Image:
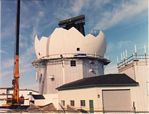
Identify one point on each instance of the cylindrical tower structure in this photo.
(66, 56)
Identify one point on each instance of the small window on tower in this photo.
(78, 49)
(73, 63)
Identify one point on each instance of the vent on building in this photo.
(51, 77)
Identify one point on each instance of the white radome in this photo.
(63, 41)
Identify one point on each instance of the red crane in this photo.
(15, 81)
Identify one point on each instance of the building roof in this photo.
(29, 90)
(109, 80)
(38, 97)
(6, 88)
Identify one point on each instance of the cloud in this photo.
(25, 66)
(25, 62)
(121, 12)
(78, 5)
(8, 64)
(118, 11)
(119, 45)
(6, 74)
(75, 7)
(123, 45)
(6, 30)
(26, 43)
(3, 51)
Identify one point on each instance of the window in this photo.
(63, 102)
(72, 63)
(78, 49)
(72, 103)
(82, 102)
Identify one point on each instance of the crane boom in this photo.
(15, 82)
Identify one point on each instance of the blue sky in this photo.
(124, 22)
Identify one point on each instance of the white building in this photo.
(137, 67)
(6, 96)
(112, 92)
(70, 72)
(133, 96)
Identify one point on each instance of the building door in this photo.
(116, 100)
(91, 105)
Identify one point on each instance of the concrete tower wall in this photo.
(58, 72)
(66, 56)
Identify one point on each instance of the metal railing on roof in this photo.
(133, 57)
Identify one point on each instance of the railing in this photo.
(68, 55)
(133, 57)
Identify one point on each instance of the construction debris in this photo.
(48, 108)
(72, 109)
(33, 108)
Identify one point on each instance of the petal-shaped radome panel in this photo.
(41, 46)
(70, 41)
(65, 41)
(37, 46)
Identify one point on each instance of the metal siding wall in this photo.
(116, 100)
(81, 94)
(42, 70)
(129, 70)
(56, 71)
(73, 73)
(97, 67)
(139, 70)
(62, 74)
(142, 98)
